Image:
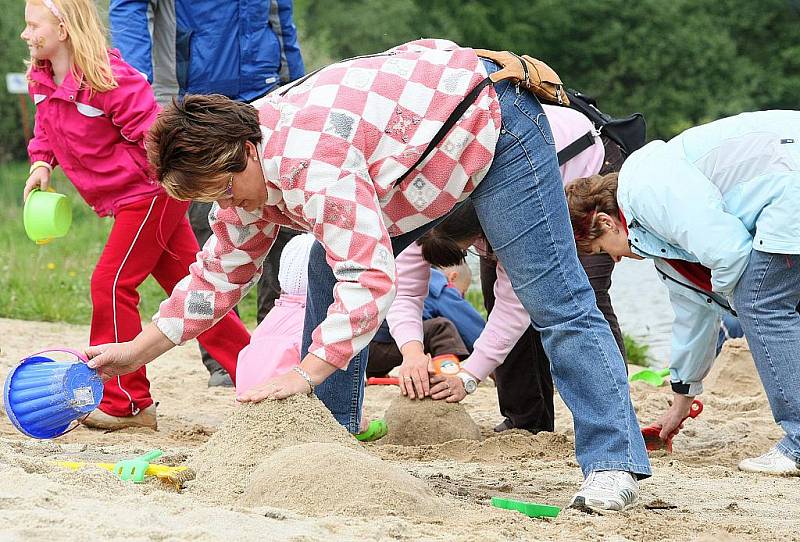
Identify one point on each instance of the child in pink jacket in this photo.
(92, 113)
(275, 345)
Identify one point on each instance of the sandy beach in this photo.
(256, 469)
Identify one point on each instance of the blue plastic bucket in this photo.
(44, 394)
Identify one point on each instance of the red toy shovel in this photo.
(650, 433)
(383, 381)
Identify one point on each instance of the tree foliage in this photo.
(13, 53)
(680, 62)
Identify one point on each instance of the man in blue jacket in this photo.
(240, 48)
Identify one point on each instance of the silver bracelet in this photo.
(299, 370)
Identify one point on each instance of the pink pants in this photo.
(134, 250)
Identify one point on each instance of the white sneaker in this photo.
(606, 490)
(773, 462)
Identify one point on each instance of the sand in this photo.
(255, 431)
(348, 481)
(696, 493)
(415, 422)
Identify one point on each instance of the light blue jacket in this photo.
(711, 195)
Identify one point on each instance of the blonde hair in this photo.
(87, 40)
(585, 198)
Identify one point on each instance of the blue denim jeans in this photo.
(523, 212)
(766, 299)
(729, 329)
(343, 391)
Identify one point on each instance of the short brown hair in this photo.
(198, 138)
(586, 197)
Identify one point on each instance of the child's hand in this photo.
(113, 359)
(40, 178)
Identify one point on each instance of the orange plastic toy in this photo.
(446, 364)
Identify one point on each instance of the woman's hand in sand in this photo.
(113, 359)
(447, 387)
(671, 422)
(279, 387)
(413, 380)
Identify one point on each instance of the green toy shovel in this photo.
(530, 509)
(651, 376)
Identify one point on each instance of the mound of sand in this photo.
(323, 478)
(255, 431)
(734, 373)
(413, 422)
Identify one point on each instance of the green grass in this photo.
(475, 298)
(51, 282)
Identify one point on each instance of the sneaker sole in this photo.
(779, 474)
(579, 503)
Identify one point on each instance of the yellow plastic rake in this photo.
(173, 476)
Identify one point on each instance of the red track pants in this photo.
(134, 250)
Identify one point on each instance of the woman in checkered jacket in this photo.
(338, 155)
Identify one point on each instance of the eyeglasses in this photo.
(229, 187)
(480, 253)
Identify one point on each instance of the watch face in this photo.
(470, 385)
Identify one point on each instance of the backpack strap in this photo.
(575, 148)
(451, 121)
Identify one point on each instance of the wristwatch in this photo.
(470, 384)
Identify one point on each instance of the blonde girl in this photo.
(92, 113)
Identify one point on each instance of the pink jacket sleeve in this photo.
(226, 268)
(405, 314)
(39, 147)
(425, 43)
(132, 105)
(506, 324)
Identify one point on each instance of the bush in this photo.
(636, 352)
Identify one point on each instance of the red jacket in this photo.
(96, 137)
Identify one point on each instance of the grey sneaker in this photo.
(606, 490)
(221, 379)
(773, 462)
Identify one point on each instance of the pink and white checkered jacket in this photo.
(334, 148)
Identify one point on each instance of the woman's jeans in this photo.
(522, 209)
(524, 383)
(766, 300)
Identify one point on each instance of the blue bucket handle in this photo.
(80, 355)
